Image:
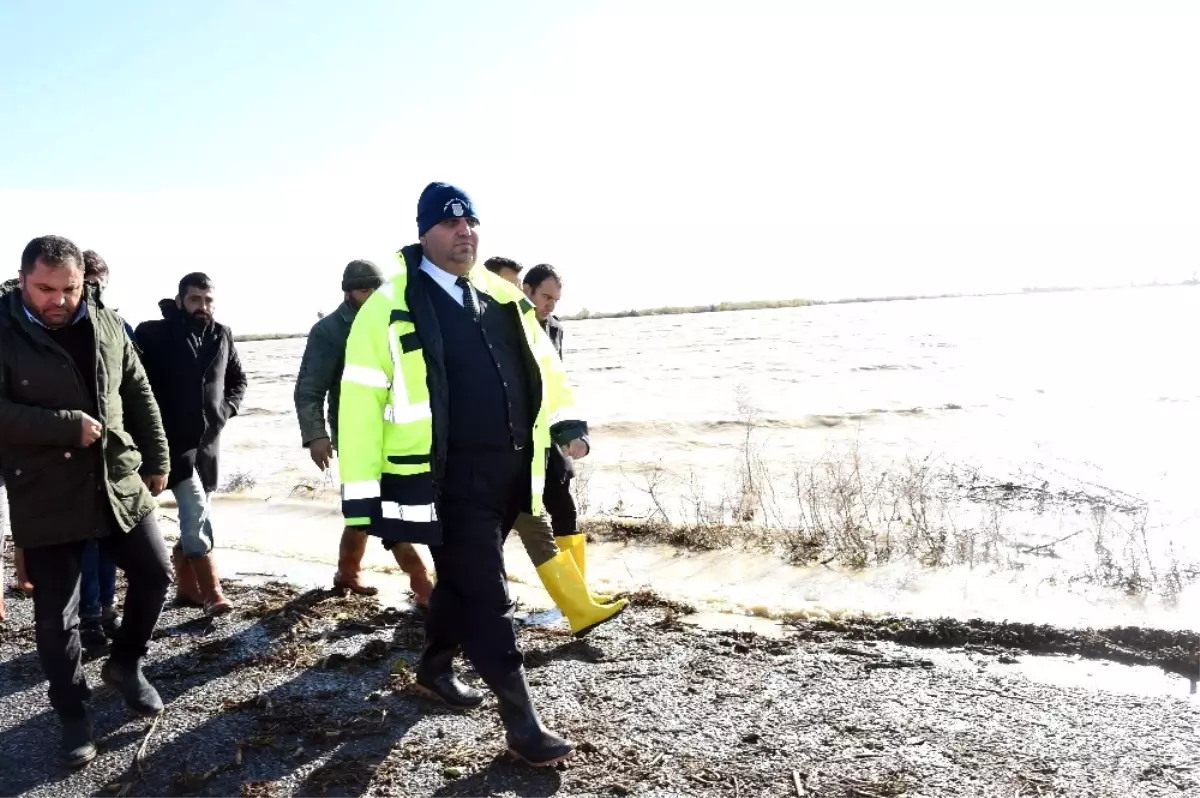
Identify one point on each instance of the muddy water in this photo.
(304, 533)
(1088, 392)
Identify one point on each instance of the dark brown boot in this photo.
(350, 554)
(23, 584)
(210, 585)
(414, 568)
(349, 563)
(187, 591)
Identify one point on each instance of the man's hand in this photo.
(90, 430)
(576, 449)
(321, 452)
(157, 483)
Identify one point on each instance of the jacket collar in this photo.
(172, 313)
(21, 316)
(79, 315)
(495, 287)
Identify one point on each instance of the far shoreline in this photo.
(777, 304)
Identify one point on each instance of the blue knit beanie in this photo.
(441, 201)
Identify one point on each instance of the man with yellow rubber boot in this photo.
(556, 543)
(451, 398)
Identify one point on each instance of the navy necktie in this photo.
(468, 297)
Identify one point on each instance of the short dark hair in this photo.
(540, 274)
(497, 265)
(93, 264)
(195, 280)
(53, 250)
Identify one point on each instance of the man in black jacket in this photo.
(77, 424)
(198, 381)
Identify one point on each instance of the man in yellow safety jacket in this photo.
(451, 397)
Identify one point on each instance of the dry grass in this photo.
(239, 482)
(843, 509)
(314, 487)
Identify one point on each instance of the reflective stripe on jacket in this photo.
(392, 417)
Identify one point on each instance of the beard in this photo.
(199, 321)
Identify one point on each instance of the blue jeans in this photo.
(195, 527)
(98, 584)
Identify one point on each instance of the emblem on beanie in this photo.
(455, 207)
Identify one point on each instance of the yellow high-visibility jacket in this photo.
(393, 417)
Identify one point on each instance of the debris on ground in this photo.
(304, 692)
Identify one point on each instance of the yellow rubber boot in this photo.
(565, 585)
(577, 545)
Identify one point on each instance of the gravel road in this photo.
(306, 693)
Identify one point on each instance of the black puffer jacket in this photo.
(199, 384)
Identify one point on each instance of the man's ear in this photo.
(179, 302)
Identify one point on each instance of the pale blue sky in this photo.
(656, 152)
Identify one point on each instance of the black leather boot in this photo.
(110, 622)
(91, 634)
(437, 680)
(140, 696)
(528, 740)
(77, 747)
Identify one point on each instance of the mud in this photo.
(1173, 651)
(307, 693)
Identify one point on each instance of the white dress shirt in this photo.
(447, 281)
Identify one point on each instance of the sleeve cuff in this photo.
(359, 512)
(566, 431)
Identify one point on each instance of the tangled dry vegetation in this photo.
(845, 510)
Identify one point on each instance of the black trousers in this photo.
(560, 504)
(55, 571)
(481, 495)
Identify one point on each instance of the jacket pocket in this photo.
(40, 487)
(121, 453)
(129, 490)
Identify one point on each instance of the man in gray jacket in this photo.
(320, 376)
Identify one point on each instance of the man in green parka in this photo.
(83, 454)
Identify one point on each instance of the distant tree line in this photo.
(770, 304)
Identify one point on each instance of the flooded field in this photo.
(1019, 457)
